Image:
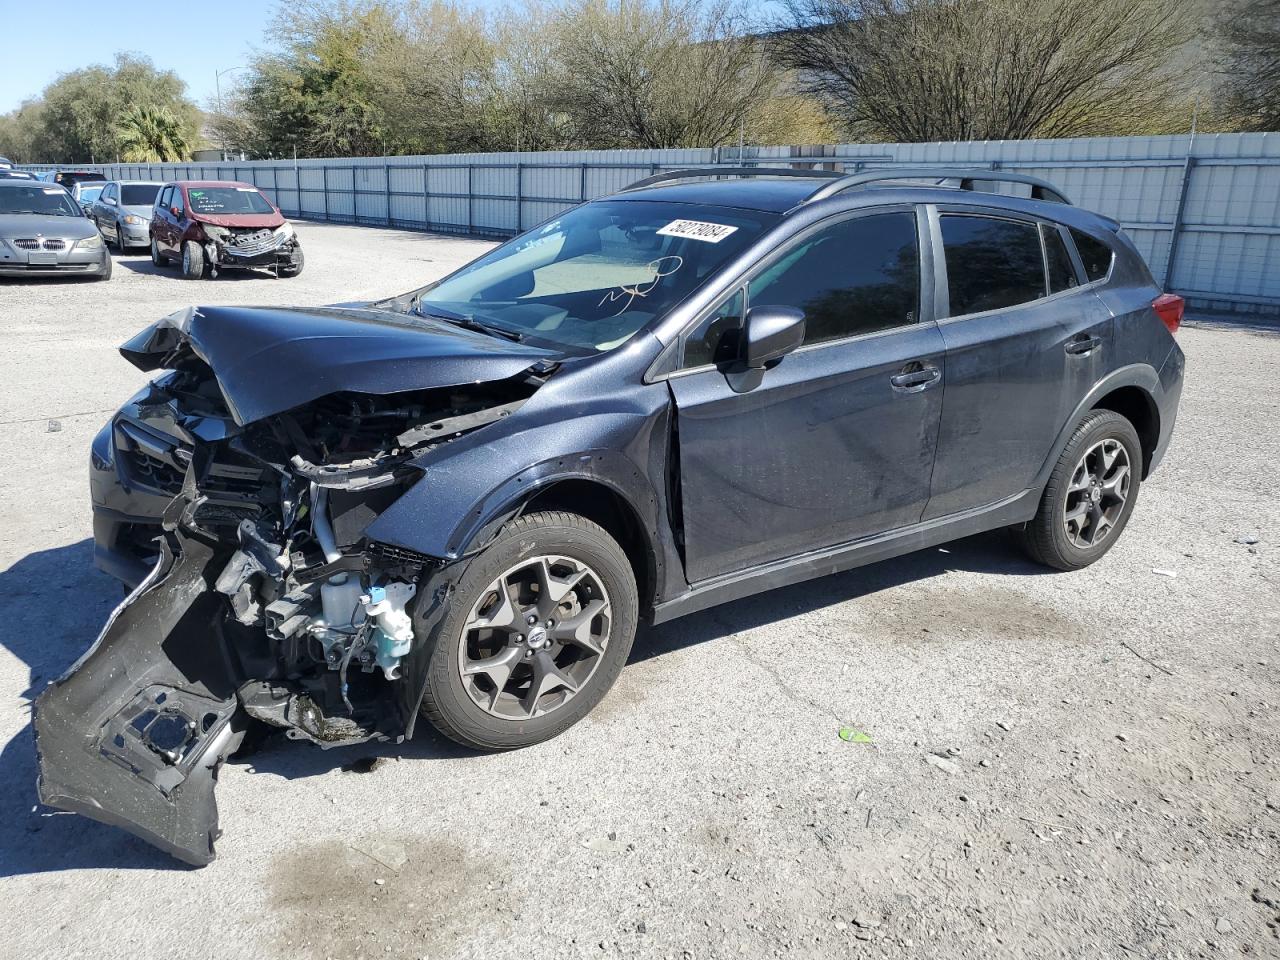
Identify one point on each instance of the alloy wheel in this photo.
(535, 637)
(1097, 493)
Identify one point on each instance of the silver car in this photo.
(123, 212)
(43, 231)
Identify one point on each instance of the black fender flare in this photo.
(1141, 375)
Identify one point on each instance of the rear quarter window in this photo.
(1096, 255)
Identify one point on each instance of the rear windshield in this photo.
(227, 201)
(49, 201)
(139, 194)
(70, 179)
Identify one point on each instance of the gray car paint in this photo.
(71, 259)
(731, 483)
(110, 217)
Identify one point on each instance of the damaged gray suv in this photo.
(459, 503)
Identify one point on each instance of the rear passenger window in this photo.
(1062, 273)
(854, 277)
(991, 263)
(1095, 254)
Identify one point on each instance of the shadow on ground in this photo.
(74, 601)
(173, 270)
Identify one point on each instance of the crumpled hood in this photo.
(254, 220)
(271, 359)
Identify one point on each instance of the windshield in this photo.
(49, 201)
(599, 273)
(227, 201)
(138, 194)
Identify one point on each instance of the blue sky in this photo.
(41, 42)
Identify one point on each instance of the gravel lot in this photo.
(1061, 765)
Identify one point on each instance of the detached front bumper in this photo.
(134, 732)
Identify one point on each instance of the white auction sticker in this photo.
(697, 230)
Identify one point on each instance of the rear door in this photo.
(1025, 341)
(835, 441)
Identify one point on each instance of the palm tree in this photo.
(151, 135)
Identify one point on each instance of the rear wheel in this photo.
(539, 628)
(157, 258)
(1090, 494)
(192, 261)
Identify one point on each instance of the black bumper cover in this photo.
(128, 735)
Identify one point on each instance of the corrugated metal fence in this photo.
(1204, 211)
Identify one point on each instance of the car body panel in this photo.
(834, 451)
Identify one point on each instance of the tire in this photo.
(105, 272)
(1091, 457)
(192, 261)
(158, 259)
(453, 704)
(296, 267)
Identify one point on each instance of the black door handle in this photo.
(914, 377)
(1082, 345)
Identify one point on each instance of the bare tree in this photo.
(658, 73)
(1250, 32)
(921, 70)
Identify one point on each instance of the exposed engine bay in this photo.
(268, 603)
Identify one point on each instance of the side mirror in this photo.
(770, 333)
(111, 200)
(176, 211)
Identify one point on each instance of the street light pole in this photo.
(217, 86)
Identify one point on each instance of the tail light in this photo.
(1169, 307)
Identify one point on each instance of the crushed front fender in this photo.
(134, 732)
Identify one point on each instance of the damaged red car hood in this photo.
(255, 221)
(268, 360)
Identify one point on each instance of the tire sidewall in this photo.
(1112, 426)
(191, 252)
(588, 544)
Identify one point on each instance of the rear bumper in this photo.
(1167, 399)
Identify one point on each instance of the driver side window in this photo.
(850, 278)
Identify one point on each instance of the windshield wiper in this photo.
(468, 322)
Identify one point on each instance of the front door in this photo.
(835, 441)
(1024, 345)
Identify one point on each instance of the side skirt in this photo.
(781, 573)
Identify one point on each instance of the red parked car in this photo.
(213, 225)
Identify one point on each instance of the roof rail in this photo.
(1040, 189)
(690, 173)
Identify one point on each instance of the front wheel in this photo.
(295, 266)
(1090, 494)
(539, 627)
(192, 260)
